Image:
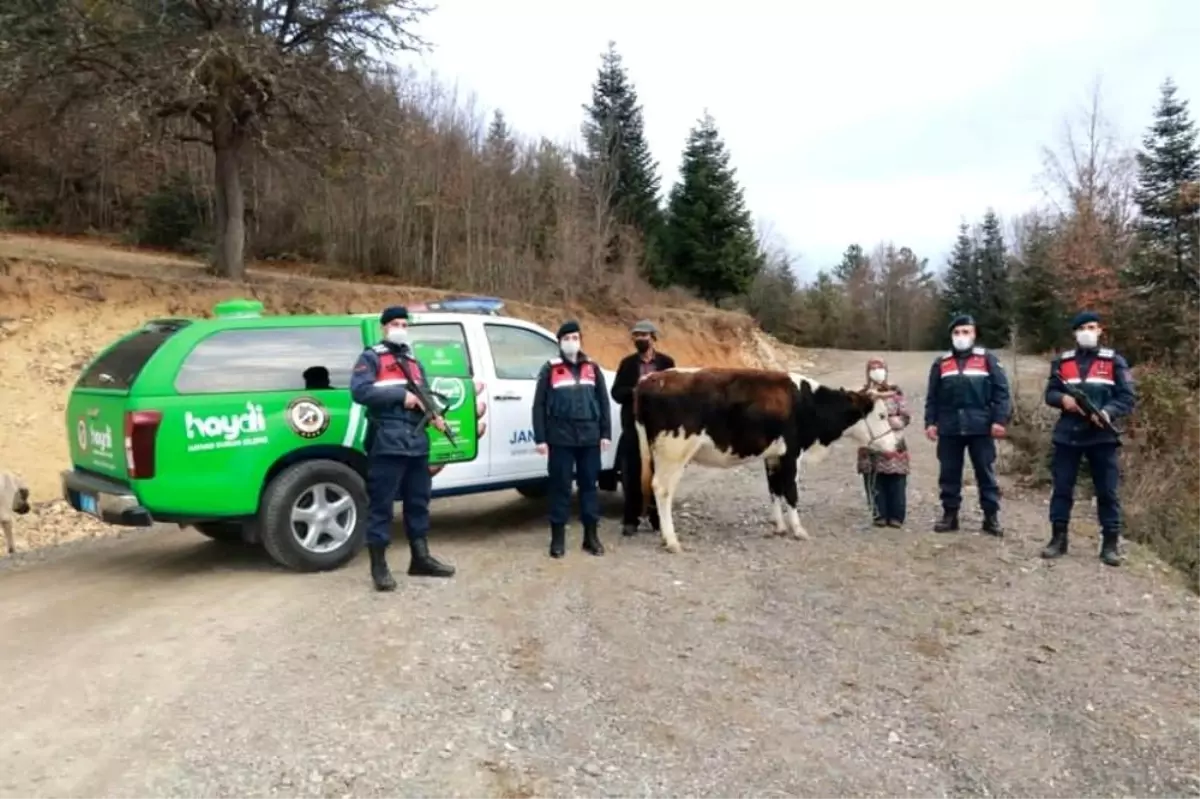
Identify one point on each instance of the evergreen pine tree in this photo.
(1037, 312)
(994, 292)
(1169, 198)
(499, 148)
(617, 164)
(962, 286)
(710, 241)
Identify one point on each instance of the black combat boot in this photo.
(381, 575)
(591, 540)
(558, 540)
(1058, 541)
(629, 528)
(991, 525)
(1108, 548)
(425, 565)
(948, 523)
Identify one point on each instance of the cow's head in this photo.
(868, 417)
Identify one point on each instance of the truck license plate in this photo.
(87, 503)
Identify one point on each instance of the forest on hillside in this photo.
(264, 129)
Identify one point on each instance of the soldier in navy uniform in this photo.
(397, 449)
(1103, 376)
(571, 425)
(967, 406)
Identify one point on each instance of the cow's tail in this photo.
(646, 473)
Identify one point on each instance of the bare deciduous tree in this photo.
(230, 74)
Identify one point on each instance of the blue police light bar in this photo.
(491, 306)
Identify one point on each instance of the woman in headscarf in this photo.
(885, 474)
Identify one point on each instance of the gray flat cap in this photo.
(644, 326)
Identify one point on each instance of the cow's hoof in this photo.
(674, 549)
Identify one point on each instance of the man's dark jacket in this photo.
(628, 374)
(967, 393)
(1109, 386)
(570, 404)
(393, 430)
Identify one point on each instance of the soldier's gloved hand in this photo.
(412, 402)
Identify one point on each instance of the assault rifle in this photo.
(1086, 405)
(433, 402)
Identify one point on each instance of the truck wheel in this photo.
(537, 490)
(225, 532)
(314, 515)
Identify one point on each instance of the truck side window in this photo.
(271, 359)
(519, 354)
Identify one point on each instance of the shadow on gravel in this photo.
(481, 519)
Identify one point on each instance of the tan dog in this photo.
(14, 498)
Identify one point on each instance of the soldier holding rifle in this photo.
(390, 383)
(1093, 388)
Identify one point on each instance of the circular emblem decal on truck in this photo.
(307, 417)
(452, 389)
(81, 434)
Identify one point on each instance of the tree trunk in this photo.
(231, 209)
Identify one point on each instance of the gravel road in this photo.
(861, 663)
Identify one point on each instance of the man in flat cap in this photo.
(967, 406)
(571, 425)
(645, 360)
(397, 447)
(1102, 376)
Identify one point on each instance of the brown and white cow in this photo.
(727, 417)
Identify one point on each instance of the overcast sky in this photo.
(879, 121)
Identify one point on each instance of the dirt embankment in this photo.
(62, 300)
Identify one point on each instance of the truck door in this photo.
(517, 355)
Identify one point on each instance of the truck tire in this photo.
(304, 487)
(225, 532)
(537, 490)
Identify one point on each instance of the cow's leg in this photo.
(788, 487)
(776, 493)
(671, 456)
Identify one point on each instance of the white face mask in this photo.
(962, 342)
(877, 375)
(396, 335)
(1087, 339)
(570, 348)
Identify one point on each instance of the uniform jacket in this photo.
(570, 404)
(889, 462)
(967, 394)
(377, 383)
(1104, 377)
(628, 374)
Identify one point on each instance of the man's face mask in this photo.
(877, 375)
(396, 334)
(1087, 338)
(641, 344)
(570, 347)
(963, 341)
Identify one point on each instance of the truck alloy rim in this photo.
(323, 517)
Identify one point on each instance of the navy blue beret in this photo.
(570, 326)
(1083, 317)
(962, 319)
(395, 312)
